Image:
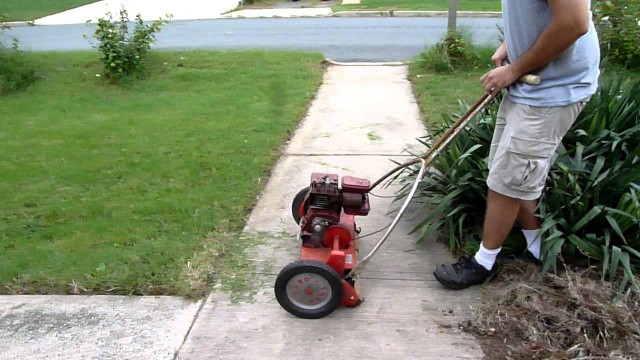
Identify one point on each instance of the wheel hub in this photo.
(309, 291)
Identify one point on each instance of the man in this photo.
(555, 40)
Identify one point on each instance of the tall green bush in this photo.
(123, 52)
(592, 211)
(591, 206)
(618, 24)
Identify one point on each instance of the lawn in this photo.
(438, 94)
(21, 10)
(141, 189)
(463, 5)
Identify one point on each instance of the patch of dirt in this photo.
(572, 315)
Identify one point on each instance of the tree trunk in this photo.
(453, 14)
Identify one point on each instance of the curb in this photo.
(409, 13)
(389, 63)
(17, 23)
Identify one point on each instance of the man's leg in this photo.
(519, 161)
(501, 214)
(530, 227)
(526, 215)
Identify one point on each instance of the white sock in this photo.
(534, 243)
(486, 257)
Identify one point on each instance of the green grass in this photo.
(141, 189)
(259, 4)
(33, 9)
(433, 5)
(438, 94)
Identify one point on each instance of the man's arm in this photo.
(570, 20)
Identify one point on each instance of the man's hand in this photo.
(498, 78)
(500, 56)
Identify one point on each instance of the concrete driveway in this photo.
(149, 9)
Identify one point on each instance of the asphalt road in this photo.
(341, 39)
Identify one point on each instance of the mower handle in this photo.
(452, 132)
(443, 141)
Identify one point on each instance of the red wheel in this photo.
(300, 205)
(309, 289)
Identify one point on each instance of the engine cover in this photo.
(326, 203)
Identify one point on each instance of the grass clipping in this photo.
(566, 316)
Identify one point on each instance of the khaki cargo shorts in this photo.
(523, 145)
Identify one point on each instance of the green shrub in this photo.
(124, 53)
(453, 52)
(16, 71)
(618, 27)
(591, 209)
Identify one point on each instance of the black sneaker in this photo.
(528, 257)
(464, 273)
(525, 256)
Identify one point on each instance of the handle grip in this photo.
(527, 78)
(530, 79)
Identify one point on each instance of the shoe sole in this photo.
(454, 286)
(450, 285)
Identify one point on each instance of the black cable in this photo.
(382, 196)
(373, 233)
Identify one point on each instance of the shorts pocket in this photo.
(542, 111)
(527, 163)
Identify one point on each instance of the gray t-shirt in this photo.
(571, 77)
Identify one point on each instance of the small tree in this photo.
(124, 53)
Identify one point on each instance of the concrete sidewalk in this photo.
(362, 118)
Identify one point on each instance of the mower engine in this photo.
(325, 206)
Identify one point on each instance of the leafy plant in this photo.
(618, 24)
(592, 213)
(591, 206)
(16, 72)
(124, 53)
(453, 192)
(453, 52)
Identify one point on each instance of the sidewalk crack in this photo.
(186, 336)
